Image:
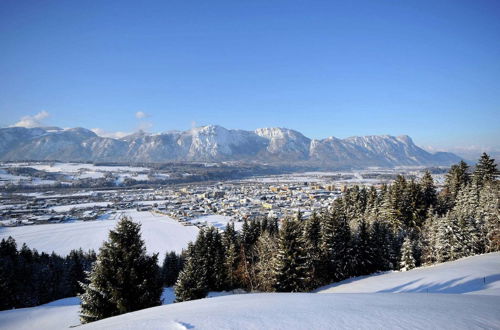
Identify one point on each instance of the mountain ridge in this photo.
(216, 143)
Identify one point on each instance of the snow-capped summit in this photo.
(215, 143)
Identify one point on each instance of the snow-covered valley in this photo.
(160, 233)
(462, 294)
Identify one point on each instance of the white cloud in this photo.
(32, 121)
(114, 135)
(141, 115)
(145, 126)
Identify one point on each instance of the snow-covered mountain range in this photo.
(215, 143)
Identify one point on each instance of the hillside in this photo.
(366, 302)
(472, 275)
(216, 144)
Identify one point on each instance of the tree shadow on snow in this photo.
(456, 285)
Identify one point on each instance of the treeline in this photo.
(398, 227)
(29, 278)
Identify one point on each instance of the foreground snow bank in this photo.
(59, 314)
(363, 302)
(316, 311)
(472, 275)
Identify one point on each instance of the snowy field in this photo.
(360, 177)
(71, 168)
(69, 207)
(368, 302)
(161, 234)
(6, 178)
(218, 221)
(73, 171)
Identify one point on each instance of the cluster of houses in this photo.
(242, 201)
(185, 203)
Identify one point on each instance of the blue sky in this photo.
(429, 69)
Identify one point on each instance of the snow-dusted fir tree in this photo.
(342, 248)
(446, 239)
(214, 257)
(363, 262)
(407, 260)
(430, 239)
(265, 248)
(192, 281)
(292, 269)
(172, 265)
(124, 278)
(485, 171)
(428, 191)
(204, 268)
(381, 238)
(489, 213)
(231, 243)
(312, 240)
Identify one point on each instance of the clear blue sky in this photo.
(429, 69)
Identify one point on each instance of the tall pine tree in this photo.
(292, 270)
(124, 278)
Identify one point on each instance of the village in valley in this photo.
(198, 203)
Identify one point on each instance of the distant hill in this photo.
(215, 144)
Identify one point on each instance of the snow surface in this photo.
(217, 221)
(315, 311)
(472, 275)
(160, 233)
(59, 314)
(76, 167)
(69, 207)
(371, 303)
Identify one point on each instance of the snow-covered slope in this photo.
(369, 302)
(314, 311)
(160, 233)
(472, 275)
(215, 143)
(59, 314)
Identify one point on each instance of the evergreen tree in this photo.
(292, 270)
(78, 262)
(192, 281)
(456, 178)
(266, 247)
(486, 169)
(312, 239)
(445, 239)
(363, 252)
(407, 260)
(337, 247)
(430, 239)
(8, 280)
(428, 189)
(272, 226)
(124, 278)
(489, 213)
(205, 267)
(381, 238)
(214, 258)
(231, 247)
(171, 268)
